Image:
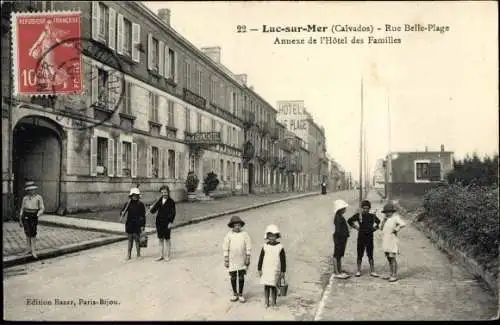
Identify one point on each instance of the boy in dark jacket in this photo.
(366, 223)
(165, 207)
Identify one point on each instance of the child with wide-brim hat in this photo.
(237, 247)
(32, 208)
(391, 225)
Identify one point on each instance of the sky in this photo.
(439, 88)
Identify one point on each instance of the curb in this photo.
(49, 253)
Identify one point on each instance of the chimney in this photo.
(242, 78)
(164, 15)
(442, 148)
(213, 52)
(426, 149)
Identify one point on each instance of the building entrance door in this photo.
(37, 157)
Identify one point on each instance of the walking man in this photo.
(366, 223)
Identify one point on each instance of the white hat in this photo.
(30, 186)
(134, 190)
(339, 204)
(273, 229)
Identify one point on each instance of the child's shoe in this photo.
(393, 279)
(358, 274)
(241, 299)
(234, 298)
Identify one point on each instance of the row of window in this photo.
(160, 162)
(124, 36)
(119, 159)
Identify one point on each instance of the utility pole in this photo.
(389, 156)
(361, 148)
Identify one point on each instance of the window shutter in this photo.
(93, 156)
(435, 172)
(161, 59)
(160, 162)
(95, 85)
(136, 40)
(112, 29)
(95, 19)
(119, 37)
(175, 72)
(150, 51)
(177, 165)
(119, 158)
(166, 66)
(111, 157)
(149, 171)
(133, 172)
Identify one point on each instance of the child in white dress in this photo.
(390, 226)
(272, 264)
(237, 248)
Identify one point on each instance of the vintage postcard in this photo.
(250, 160)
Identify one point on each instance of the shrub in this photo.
(192, 182)
(474, 170)
(210, 183)
(469, 217)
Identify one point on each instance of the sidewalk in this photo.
(59, 235)
(427, 278)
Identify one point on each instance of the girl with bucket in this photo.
(272, 264)
(135, 213)
(31, 208)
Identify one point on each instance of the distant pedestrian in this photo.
(237, 248)
(340, 236)
(391, 225)
(31, 208)
(272, 264)
(165, 207)
(135, 213)
(366, 223)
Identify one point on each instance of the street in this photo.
(194, 285)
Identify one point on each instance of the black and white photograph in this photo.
(250, 160)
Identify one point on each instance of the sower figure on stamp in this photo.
(135, 213)
(366, 223)
(165, 207)
(31, 208)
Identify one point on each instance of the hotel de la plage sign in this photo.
(207, 138)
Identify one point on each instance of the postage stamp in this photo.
(36, 70)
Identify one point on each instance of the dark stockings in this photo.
(241, 282)
(270, 291)
(131, 239)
